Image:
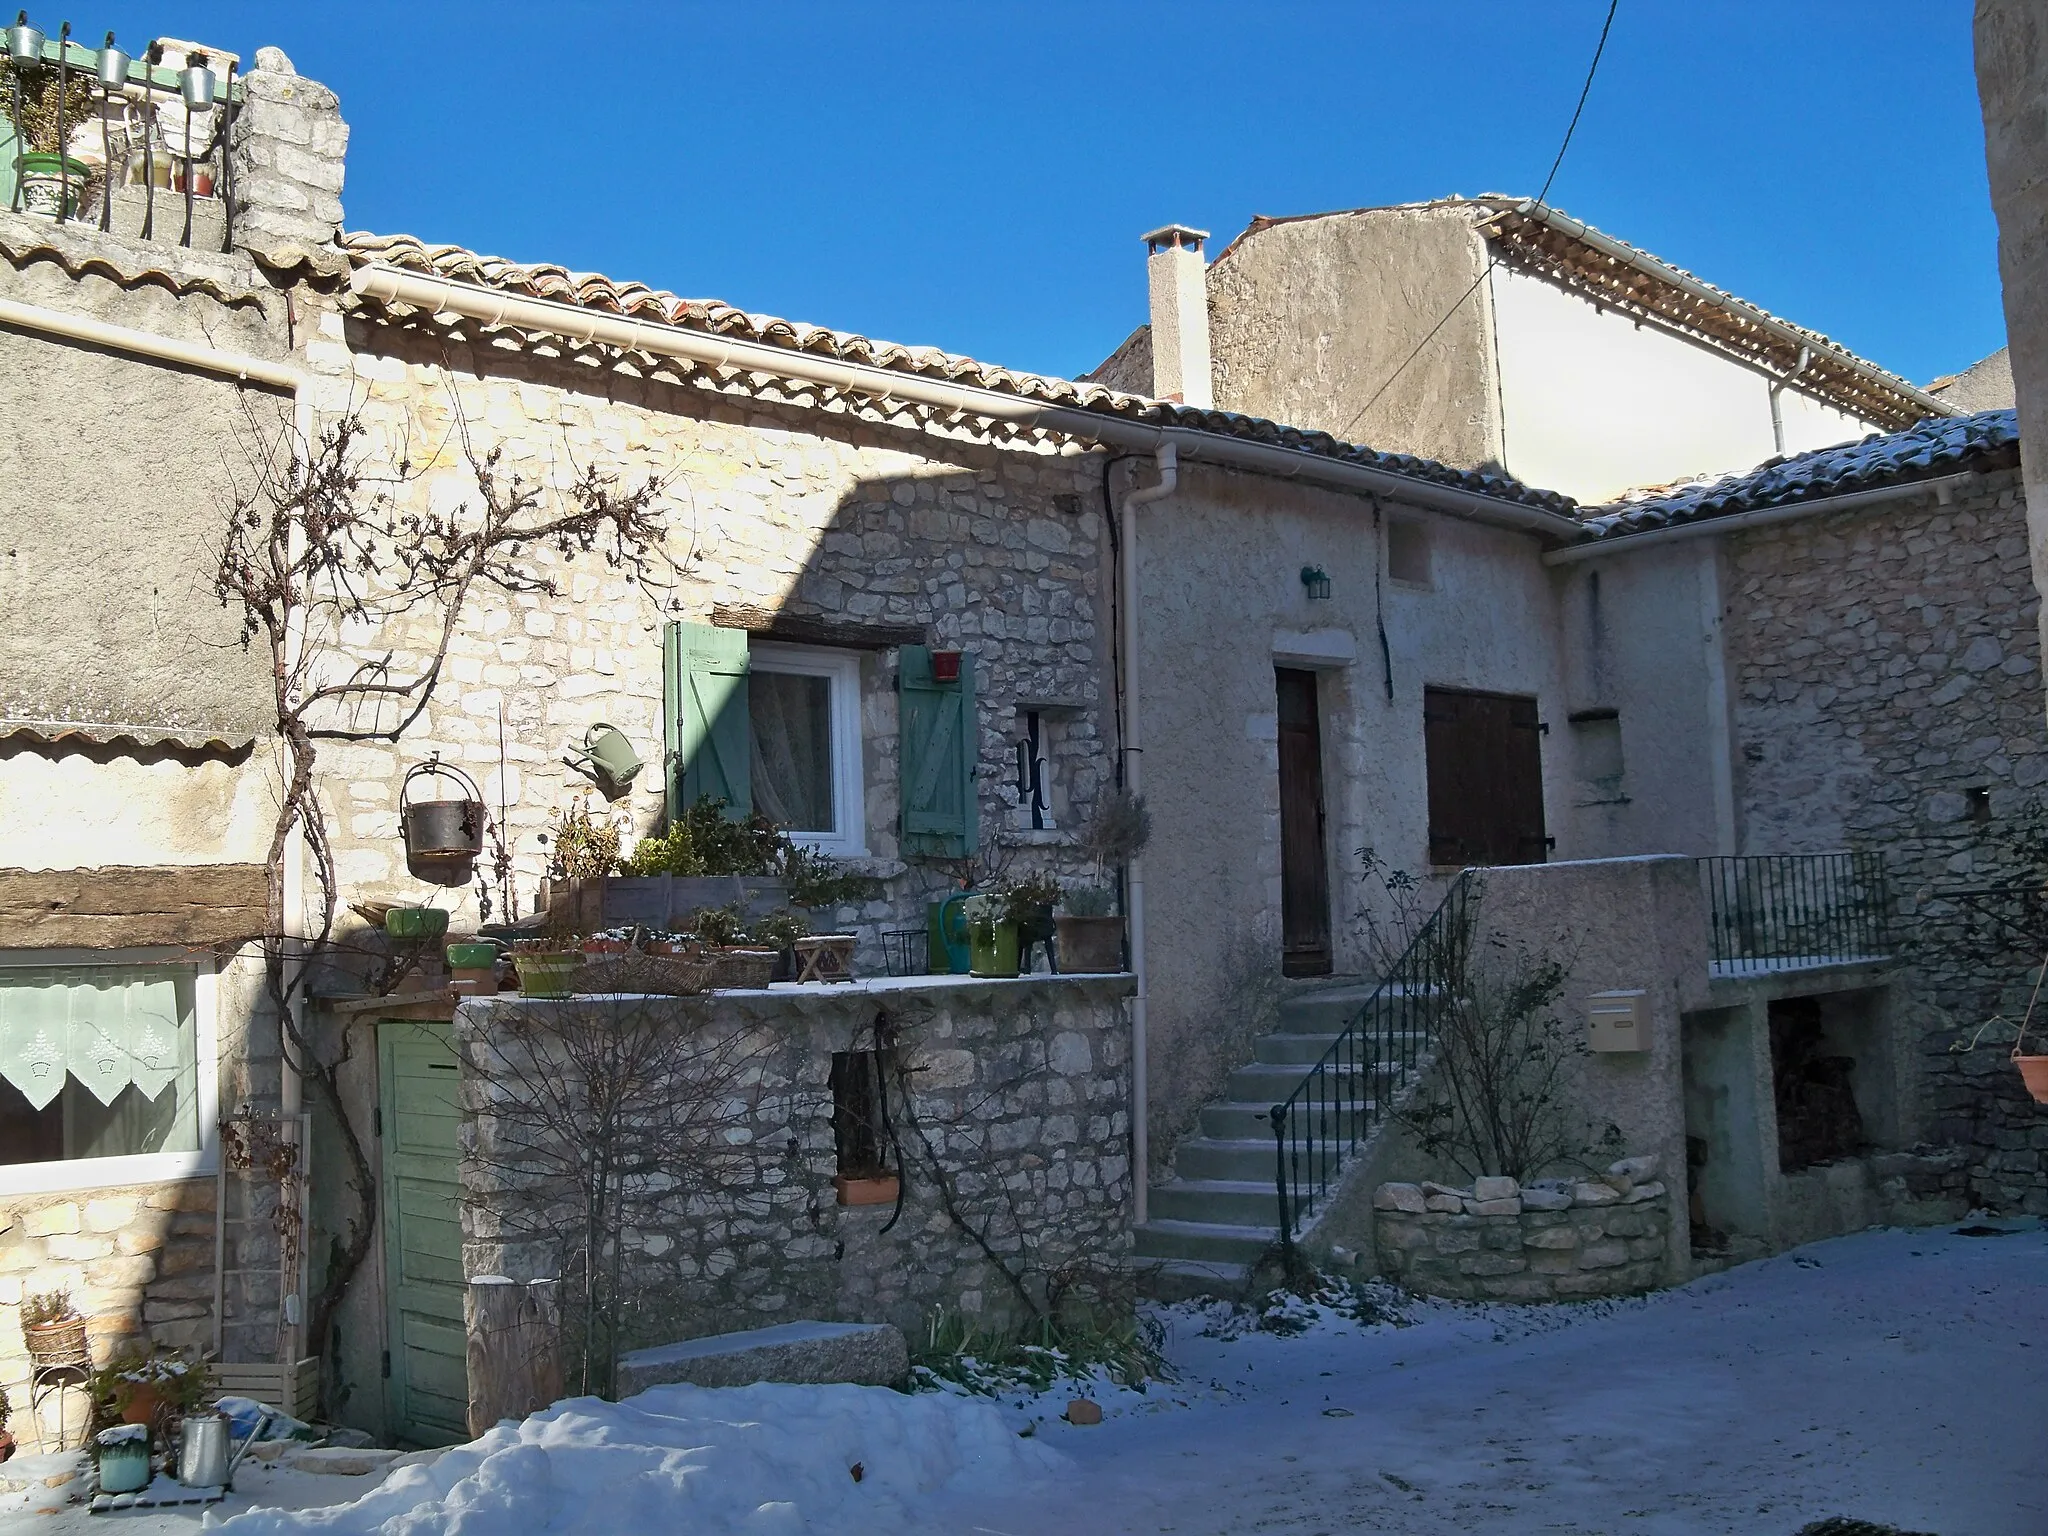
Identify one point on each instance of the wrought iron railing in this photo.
(1773, 912)
(1346, 1094)
(135, 132)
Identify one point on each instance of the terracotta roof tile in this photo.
(1939, 446)
(589, 290)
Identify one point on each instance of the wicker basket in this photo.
(748, 968)
(60, 1343)
(656, 975)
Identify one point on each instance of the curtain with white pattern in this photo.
(108, 1027)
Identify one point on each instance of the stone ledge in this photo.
(1586, 1238)
(865, 1354)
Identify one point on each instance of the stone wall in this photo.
(287, 152)
(138, 1263)
(1885, 673)
(1553, 1240)
(818, 516)
(1010, 1116)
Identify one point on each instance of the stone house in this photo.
(835, 510)
(1296, 647)
(1493, 332)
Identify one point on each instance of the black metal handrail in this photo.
(1773, 911)
(1344, 1096)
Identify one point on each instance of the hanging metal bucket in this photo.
(441, 831)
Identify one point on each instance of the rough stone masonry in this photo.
(1553, 1240)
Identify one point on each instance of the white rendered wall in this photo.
(1593, 403)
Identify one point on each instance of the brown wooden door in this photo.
(1485, 778)
(1304, 861)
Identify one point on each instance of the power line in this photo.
(1487, 271)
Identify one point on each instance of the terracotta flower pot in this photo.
(2034, 1073)
(1090, 944)
(140, 1402)
(880, 1190)
(6, 1445)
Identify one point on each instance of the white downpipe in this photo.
(1168, 459)
(491, 306)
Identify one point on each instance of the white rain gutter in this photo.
(1749, 314)
(247, 369)
(1168, 460)
(163, 349)
(442, 295)
(1943, 487)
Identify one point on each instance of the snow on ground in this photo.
(1899, 1377)
(780, 1459)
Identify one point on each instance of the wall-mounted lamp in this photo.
(1317, 582)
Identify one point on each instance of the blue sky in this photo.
(975, 175)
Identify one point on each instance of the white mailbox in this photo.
(1620, 1021)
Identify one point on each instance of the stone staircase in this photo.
(1221, 1214)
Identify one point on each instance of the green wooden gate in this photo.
(426, 1393)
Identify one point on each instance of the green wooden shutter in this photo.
(941, 739)
(704, 707)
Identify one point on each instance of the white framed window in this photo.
(803, 724)
(109, 1068)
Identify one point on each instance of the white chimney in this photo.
(1176, 274)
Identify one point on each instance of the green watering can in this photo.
(946, 947)
(607, 757)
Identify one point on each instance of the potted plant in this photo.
(991, 935)
(547, 967)
(148, 1389)
(782, 932)
(1029, 903)
(122, 1457)
(6, 1435)
(51, 180)
(1091, 936)
(53, 1329)
(2033, 1067)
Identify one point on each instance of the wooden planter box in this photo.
(654, 901)
(293, 1387)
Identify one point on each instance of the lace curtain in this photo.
(791, 719)
(106, 1028)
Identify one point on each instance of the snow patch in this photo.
(766, 1458)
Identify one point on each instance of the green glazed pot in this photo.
(472, 956)
(548, 974)
(993, 950)
(415, 923)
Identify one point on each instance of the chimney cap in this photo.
(1175, 234)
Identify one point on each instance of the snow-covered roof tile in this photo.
(1938, 446)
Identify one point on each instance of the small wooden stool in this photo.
(825, 957)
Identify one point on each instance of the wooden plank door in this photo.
(1304, 858)
(426, 1397)
(1485, 760)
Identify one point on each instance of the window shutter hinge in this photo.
(377, 1122)
(387, 1365)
